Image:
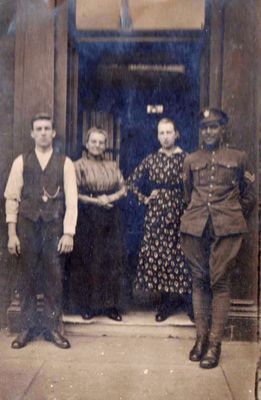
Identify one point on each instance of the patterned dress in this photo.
(99, 255)
(161, 266)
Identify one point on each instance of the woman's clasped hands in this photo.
(104, 201)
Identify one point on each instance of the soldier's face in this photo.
(211, 133)
(43, 133)
(166, 135)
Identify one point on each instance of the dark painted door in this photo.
(122, 79)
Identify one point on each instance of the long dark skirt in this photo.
(98, 259)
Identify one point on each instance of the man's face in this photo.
(211, 133)
(166, 135)
(43, 133)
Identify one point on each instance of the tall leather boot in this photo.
(201, 304)
(199, 348)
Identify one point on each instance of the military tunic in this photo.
(218, 184)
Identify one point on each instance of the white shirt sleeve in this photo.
(13, 190)
(71, 198)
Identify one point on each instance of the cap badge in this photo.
(206, 113)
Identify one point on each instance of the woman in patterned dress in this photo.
(99, 253)
(162, 266)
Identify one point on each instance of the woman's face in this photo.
(167, 135)
(96, 144)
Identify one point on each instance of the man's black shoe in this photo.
(114, 314)
(199, 349)
(88, 314)
(211, 357)
(162, 314)
(56, 338)
(22, 339)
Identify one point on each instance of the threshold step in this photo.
(134, 324)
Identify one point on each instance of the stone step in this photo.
(134, 324)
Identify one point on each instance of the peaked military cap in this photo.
(209, 115)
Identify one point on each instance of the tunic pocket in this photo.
(199, 171)
(227, 172)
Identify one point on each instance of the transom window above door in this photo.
(140, 15)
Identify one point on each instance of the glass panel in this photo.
(145, 14)
(167, 14)
(98, 14)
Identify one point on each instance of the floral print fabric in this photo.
(162, 266)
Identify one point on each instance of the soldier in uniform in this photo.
(41, 213)
(219, 191)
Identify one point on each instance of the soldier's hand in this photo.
(13, 245)
(65, 244)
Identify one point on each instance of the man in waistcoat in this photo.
(41, 213)
(219, 191)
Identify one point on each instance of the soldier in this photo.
(219, 191)
(41, 213)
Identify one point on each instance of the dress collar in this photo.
(177, 150)
(91, 158)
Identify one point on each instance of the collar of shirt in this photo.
(43, 158)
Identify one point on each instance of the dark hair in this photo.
(41, 116)
(170, 121)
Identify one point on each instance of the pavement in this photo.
(124, 367)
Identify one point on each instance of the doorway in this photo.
(126, 87)
(124, 78)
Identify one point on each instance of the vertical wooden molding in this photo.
(216, 52)
(205, 58)
(238, 100)
(60, 69)
(258, 135)
(238, 87)
(72, 101)
(212, 57)
(34, 67)
(19, 81)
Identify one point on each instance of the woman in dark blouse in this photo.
(98, 244)
(162, 267)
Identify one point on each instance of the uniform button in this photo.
(209, 195)
(213, 167)
(213, 152)
(211, 186)
(212, 177)
(209, 204)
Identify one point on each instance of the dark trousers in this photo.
(211, 258)
(41, 266)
